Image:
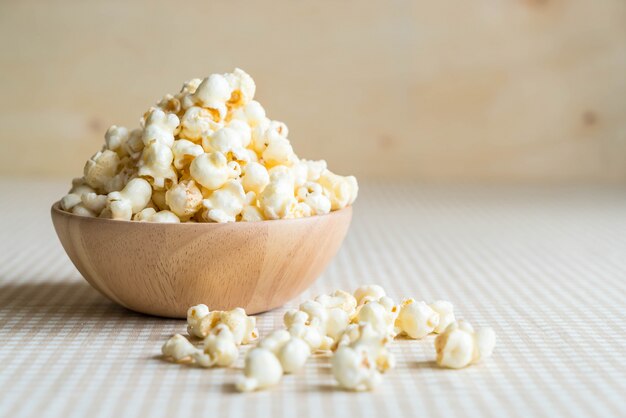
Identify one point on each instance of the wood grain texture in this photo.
(522, 90)
(163, 269)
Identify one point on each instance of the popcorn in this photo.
(164, 217)
(242, 87)
(364, 336)
(277, 199)
(445, 310)
(322, 321)
(213, 91)
(251, 214)
(133, 198)
(337, 322)
(278, 152)
(338, 299)
(242, 325)
(294, 354)
(194, 316)
(197, 122)
(81, 210)
(134, 144)
(200, 322)
(225, 203)
(184, 199)
(356, 329)
(252, 113)
(341, 191)
(309, 329)
(211, 170)
(381, 315)
(354, 369)
(156, 165)
(255, 178)
(100, 168)
(115, 139)
(184, 153)
(261, 370)
(70, 200)
(221, 347)
(299, 210)
(316, 312)
(160, 127)
(295, 316)
(170, 104)
(290, 350)
(224, 140)
(158, 199)
(314, 169)
(275, 341)
(244, 131)
(94, 202)
(144, 215)
(178, 348)
(211, 139)
(459, 346)
(416, 319)
(368, 292)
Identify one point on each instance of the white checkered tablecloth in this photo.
(546, 267)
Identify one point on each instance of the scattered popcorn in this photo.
(242, 325)
(200, 322)
(336, 322)
(311, 323)
(416, 319)
(338, 299)
(380, 314)
(353, 329)
(364, 336)
(290, 350)
(200, 150)
(221, 347)
(312, 336)
(445, 310)
(459, 346)
(368, 292)
(354, 369)
(261, 370)
(178, 348)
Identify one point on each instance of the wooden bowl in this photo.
(163, 269)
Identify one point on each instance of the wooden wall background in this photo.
(493, 90)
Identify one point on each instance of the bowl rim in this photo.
(56, 209)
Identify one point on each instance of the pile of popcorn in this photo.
(354, 330)
(206, 154)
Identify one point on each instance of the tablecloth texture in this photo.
(545, 267)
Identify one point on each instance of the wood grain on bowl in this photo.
(163, 269)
